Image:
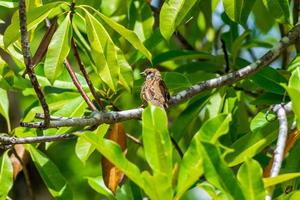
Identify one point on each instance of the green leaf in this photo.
(128, 35)
(294, 63)
(141, 18)
(214, 128)
(250, 178)
(126, 74)
(270, 80)
(75, 107)
(251, 143)
(58, 50)
(104, 52)
(191, 166)
(98, 185)
(237, 45)
(84, 149)
(34, 17)
(238, 10)
(279, 9)
(6, 175)
(112, 151)
(54, 180)
(293, 90)
(261, 120)
(158, 151)
(218, 174)
(172, 15)
(263, 20)
(8, 4)
(186, 117)
(4, 107)
(279, 179)
(176, 81)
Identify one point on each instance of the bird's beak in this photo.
(143, 74)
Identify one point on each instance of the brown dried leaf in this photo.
(17, 165)
(41, 51)
(111, 174)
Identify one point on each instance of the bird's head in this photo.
(149, 73)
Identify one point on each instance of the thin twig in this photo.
(26, 173)
(177, 147)
(38, 139)
(295, 21)
(285, 52)
(280, 146)
(71, 71)
(78, 85)
(227, 67)
(134, 139)
(28, 64)
(184, 43)
(86, 76)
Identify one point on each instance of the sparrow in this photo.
(154, 89)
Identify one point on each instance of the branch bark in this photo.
(28, 62)
(280, 146)
(78, 85)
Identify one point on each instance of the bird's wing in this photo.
(164, 90)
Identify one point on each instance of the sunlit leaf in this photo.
(279, 179)
(4, 107)
(238, 10)
(34, 17)
(6, 175)
(84, 149)
(98, 185)
(218, 173)
(58, 50)
(172, 15)
(129, 35)
(251, 143)
(104, 52)
(114, 154)
(293, 90)
(250, 178)
(158, 151)
(191, 166)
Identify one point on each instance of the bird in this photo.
(154, 89)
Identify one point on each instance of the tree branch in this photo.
(280, 146)
(78, 85)
(227, 66)
(95, 119)
(8, 140)
(112, 117)
(28, 63)
(86, 76)
(232, 77)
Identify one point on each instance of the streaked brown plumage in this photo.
(154, 89)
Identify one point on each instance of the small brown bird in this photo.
(154, 89)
